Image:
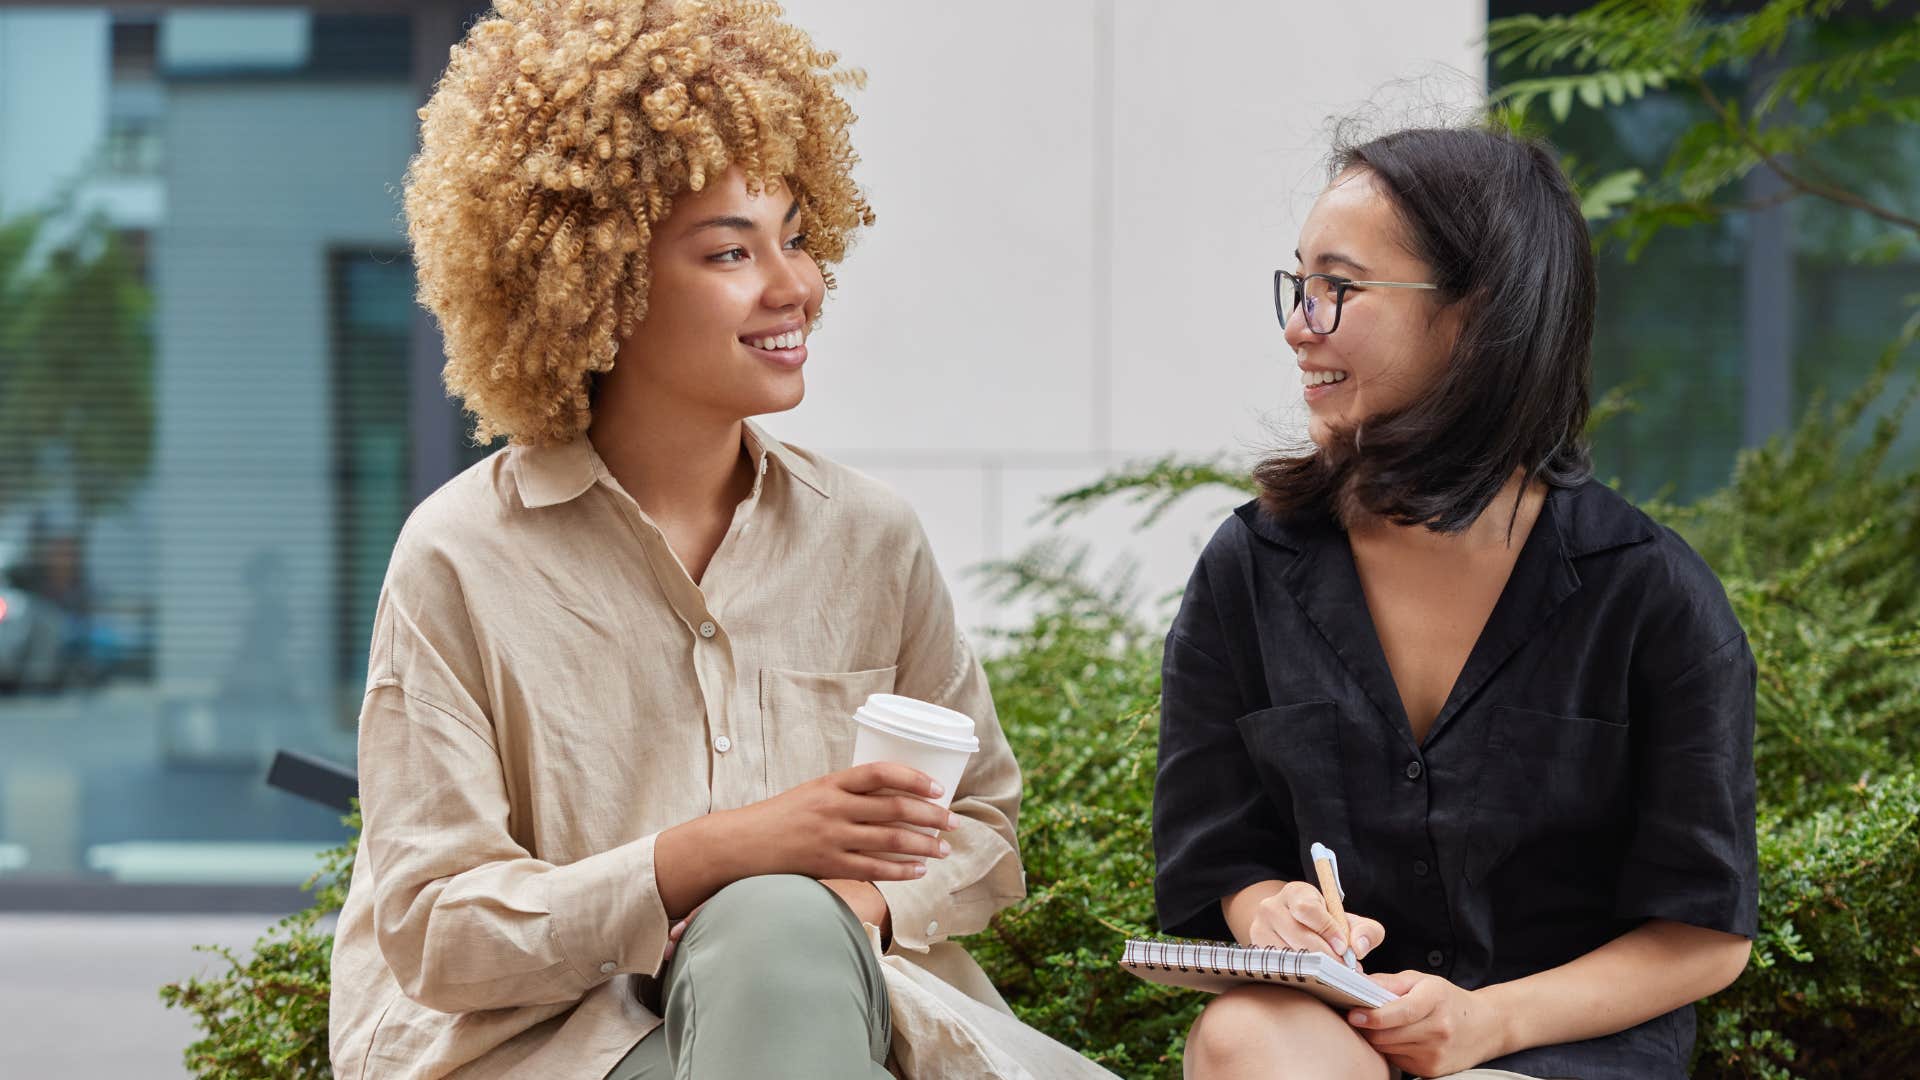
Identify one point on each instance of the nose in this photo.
(791, 281)
(1296, 330)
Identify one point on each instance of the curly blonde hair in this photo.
(557, 139)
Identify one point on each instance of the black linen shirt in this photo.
(1592, 767)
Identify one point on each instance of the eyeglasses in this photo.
(1322, 295)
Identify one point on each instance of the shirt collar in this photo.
(1323, 580)
(764, 446)
(549, 475)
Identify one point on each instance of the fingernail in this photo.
(936, 791)
(919, 869)
(1339, 946)
(953, 821)
(946, 849)
(1361, 945)
(1359, 1019)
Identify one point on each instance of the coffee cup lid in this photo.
(921, 721)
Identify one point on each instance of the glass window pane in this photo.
(206, 327)
(1678, 327)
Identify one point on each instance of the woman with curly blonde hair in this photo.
(609, 827)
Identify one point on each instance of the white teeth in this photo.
(1321, 378)
(789, 340)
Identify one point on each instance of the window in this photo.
(1723, 334)
(372, 313)
(206, 395)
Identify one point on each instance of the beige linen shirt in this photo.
(549, 689)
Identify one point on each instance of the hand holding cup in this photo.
(874, 822)
(928, 738)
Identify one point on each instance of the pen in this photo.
(1326, 865)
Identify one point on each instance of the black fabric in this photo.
(1592, 767)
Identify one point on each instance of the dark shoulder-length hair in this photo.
(1496, 220)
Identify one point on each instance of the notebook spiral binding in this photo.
(1187, 956)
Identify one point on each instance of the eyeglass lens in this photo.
(1320, 301)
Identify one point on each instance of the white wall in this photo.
(1081, 205)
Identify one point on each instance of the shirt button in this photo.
(722, 744)
(933, 927)
(1436, 958)
(1420, 867)
(707, 629)
(608, 968)
(1414, 769)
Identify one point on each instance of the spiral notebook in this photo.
(1214, 966)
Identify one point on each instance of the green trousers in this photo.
(773, 978)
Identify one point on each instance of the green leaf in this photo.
(1599, 199)
(1560, 102)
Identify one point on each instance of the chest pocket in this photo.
(1296, 752)
(1559, 785)
(806, 720)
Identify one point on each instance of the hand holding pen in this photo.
(1297, 916)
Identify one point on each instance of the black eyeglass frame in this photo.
(1340, 286)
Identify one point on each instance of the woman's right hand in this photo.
(831, 827)
(837, 825)
(1296, 917)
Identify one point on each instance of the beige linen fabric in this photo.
(549, 689)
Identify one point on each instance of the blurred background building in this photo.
(218, 402)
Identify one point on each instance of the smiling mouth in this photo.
(1311, 379)
(792, 339)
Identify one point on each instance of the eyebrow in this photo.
(734, 221)
(1326, 257)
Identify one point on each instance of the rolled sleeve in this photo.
(464, 916)
(607, 912)
(1693, 854)
(960, 893)
(1215, 832)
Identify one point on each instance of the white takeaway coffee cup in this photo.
(935, 740)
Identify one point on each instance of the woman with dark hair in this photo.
(1519, 710)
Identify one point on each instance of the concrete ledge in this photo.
(70, 896)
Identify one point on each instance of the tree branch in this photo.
(1793, 179)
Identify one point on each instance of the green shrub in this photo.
(1818, 538)
(1078, 693)
(265, 1016)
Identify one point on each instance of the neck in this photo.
(677, 462)
(1504, 523)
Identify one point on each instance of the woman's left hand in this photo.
(1434, 1029)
